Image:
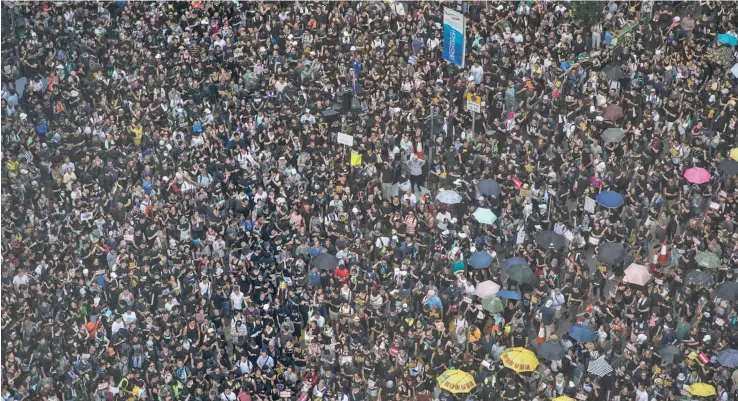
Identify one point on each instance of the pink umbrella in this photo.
(637, 274)
(697, 175)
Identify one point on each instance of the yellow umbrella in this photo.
(519, 359)
(563, 398)
(701, 390)
(734, 154)
(456, 381)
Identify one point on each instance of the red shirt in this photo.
(342, 272)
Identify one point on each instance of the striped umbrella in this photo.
(599, 367)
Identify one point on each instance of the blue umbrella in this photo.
(507, 294)
(610, 199)
(488, 187)
(727, 38)
(728, 358)
(480, 260)
(582, 333)
(485, 216)
(515, 262)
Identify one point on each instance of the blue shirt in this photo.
(435, 301)
(356, 65)
(316, 251)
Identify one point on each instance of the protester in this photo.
(251, 201)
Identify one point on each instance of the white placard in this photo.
(589, 205)
(473, 107)
(345, 139)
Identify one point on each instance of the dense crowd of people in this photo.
(291, 200)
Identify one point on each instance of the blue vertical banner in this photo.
(454, 37)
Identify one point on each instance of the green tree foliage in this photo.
(586, 13)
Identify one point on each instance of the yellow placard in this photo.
(355, 159)
(470, 97)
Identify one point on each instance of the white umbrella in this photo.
(449, 197)
(485, 216)
(637, 274)
(486, 289)
(599, 367)
(734, 70)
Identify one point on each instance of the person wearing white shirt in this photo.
(129, 317)
(245, 366)
(117, 325)
(21, 279)
(477, 72)
(227, 395)
(558, 302)
(442, 220)
(237, 298)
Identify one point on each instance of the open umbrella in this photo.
(611, 253)
(448, 197)
(697, 175)
(480, 260)
(669, 353)
(488, 187)
(599, 367)
(708, 260)
(701, 390)
(698, 277)
(551, 350)
(727, 291)
(484, 216)
(456, 381)
(615, 74)
(727, 39)
(582, 333)
(734, 70)
(486, 289)
(612, 112)
(519, 359)
(521, 274)
(507, 294)
(563, 398)
(728, 166)
(514, 262)
(610, 199)
(734, 153)
(728, 358)
(550, 240)
(325, 261)
(493, 304)
(637, 274)
(613, 135)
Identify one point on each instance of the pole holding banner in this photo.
(454, 37)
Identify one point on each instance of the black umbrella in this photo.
(727, 291)
(550, 240)
(670, 353)
(729, 166)
(521, 274)
(488, 187)
(615, 74)
(325, 261)
(611, 253)
(698, 277)
(551, 350)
